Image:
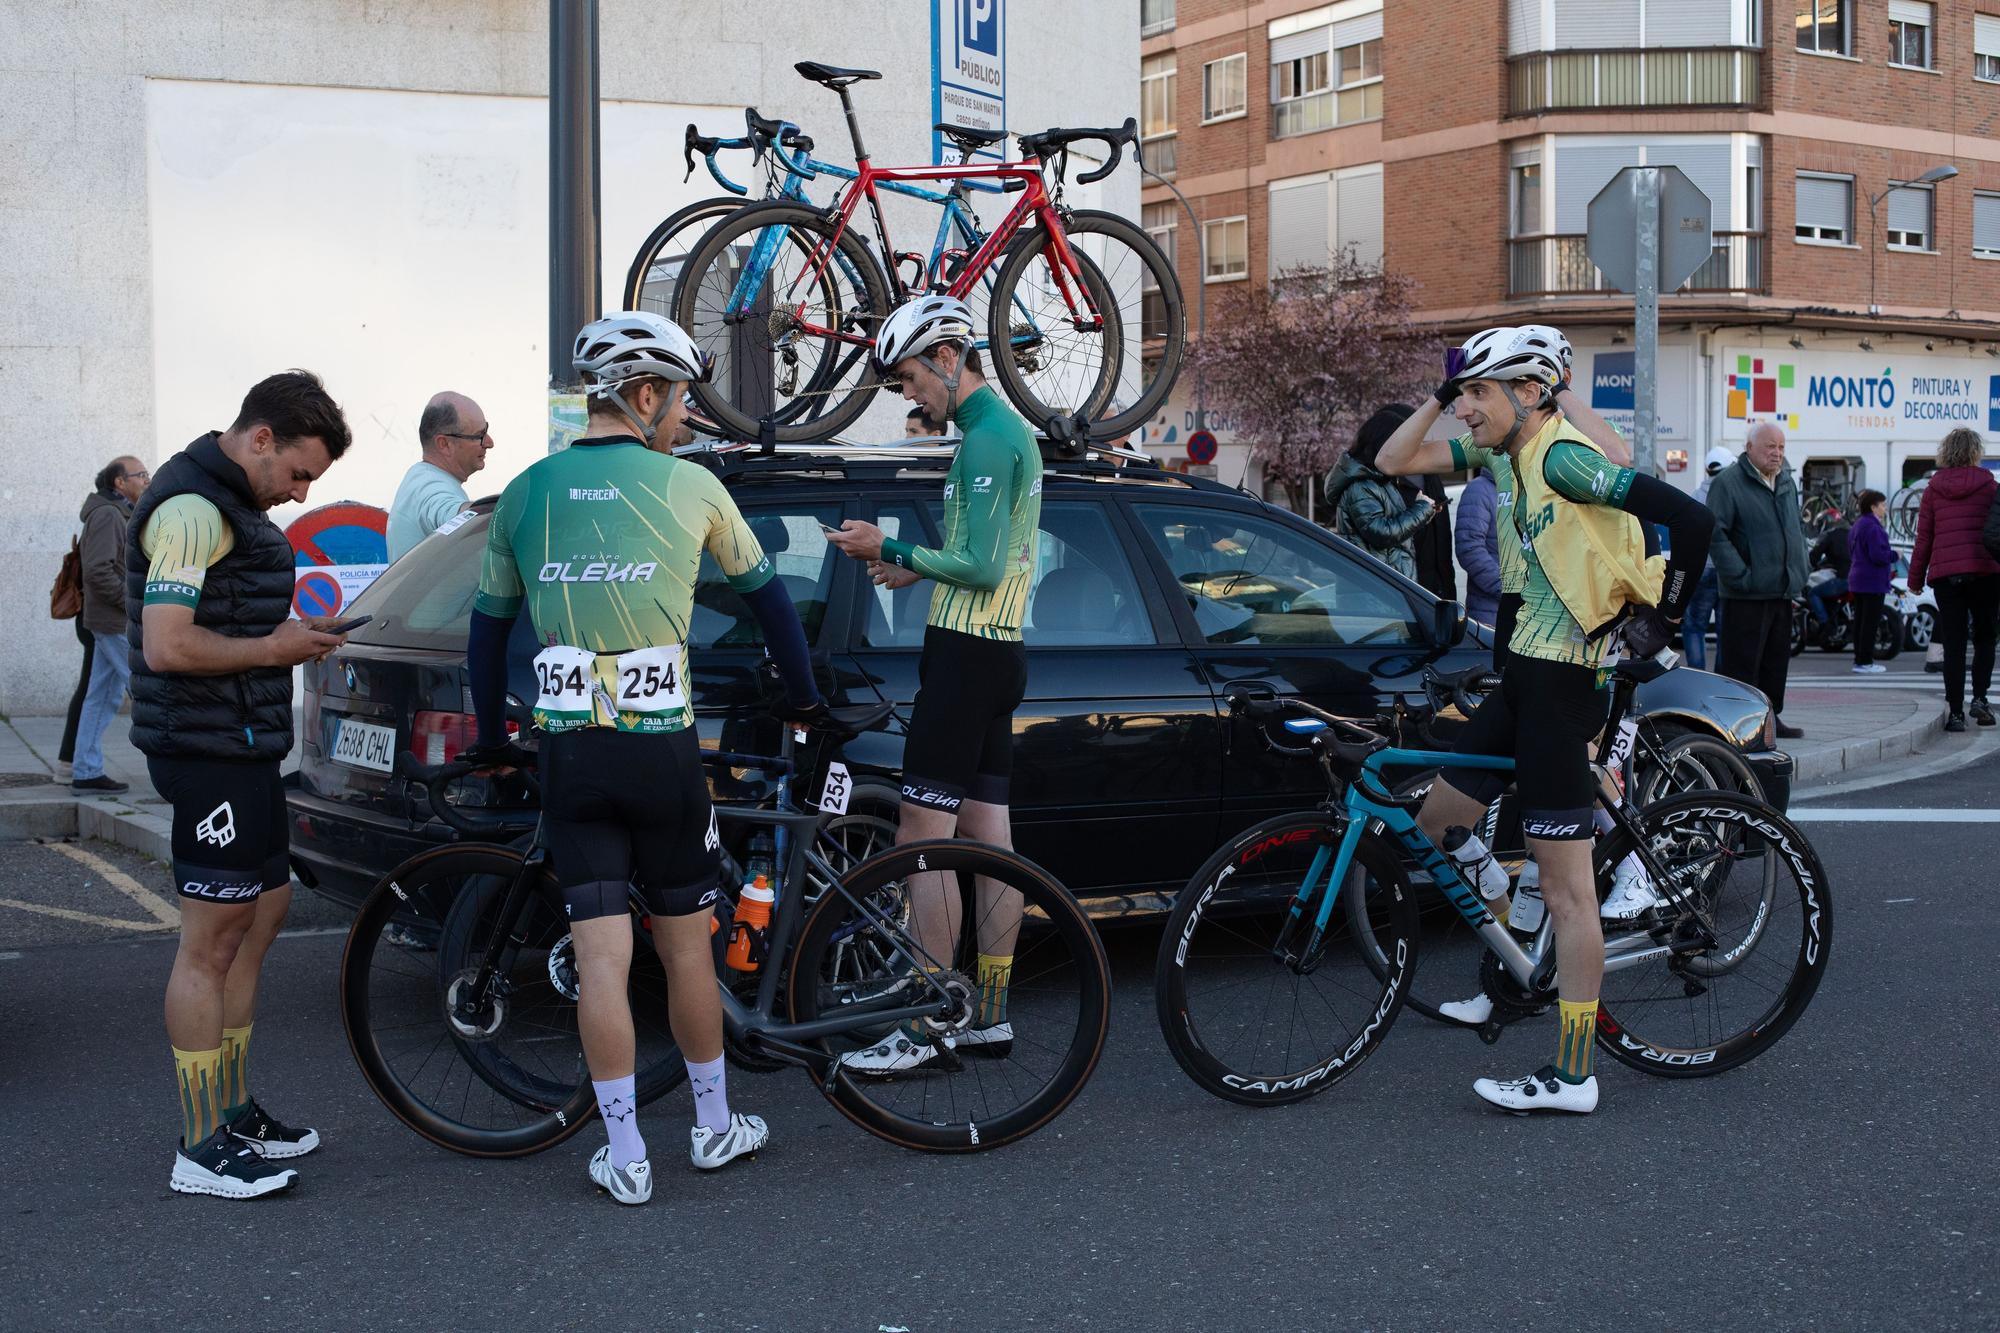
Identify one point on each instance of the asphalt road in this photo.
(1844, 1180)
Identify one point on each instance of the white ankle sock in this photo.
(617, 1103)
(711, 1094)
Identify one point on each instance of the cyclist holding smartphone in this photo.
(1575, 523)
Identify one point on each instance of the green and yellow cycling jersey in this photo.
(602, 543)
(992, 504)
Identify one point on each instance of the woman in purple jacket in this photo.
(1951, 555)
(1870, 562)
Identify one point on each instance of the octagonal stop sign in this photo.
(1686, 235)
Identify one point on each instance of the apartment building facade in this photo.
(1847, 148)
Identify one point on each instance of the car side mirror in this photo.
(1447, 624)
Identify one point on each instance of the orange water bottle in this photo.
(753, 924)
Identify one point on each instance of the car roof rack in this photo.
(740, 459)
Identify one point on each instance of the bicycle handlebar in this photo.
(433, 778)
(1052, 142)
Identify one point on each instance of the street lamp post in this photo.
(573, 210)
(1931, 177)
(1200, 286)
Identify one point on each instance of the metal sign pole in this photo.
(1646, 324)
(573, 263)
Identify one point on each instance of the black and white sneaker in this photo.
(630, 1184)
(996, 1041)
(226, 1166)
(1539, 1091)
(709, 1150)
(267, 1137)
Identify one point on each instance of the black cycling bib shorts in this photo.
(961, 738)
(1545, 714)
(232, 834)
(627, 810)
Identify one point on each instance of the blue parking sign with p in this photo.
(1993, 403)
(979, 25)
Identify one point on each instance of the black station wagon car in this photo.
(1156, 596)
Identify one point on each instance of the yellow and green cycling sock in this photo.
(1573, 1042)
(995, 971)
(233, 1091)
(198, 1074)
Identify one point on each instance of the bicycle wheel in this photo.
(789, 315)
(1058, 1002)
(656, 269)
(1243, 1021)
(1691, 993)
(500, 1072)
(1051, 368)
(1691, 762)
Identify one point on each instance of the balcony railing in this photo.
(1327, 110)
(1560, 266)
(1599, 80)
(1160, 154)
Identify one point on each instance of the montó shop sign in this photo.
(1858, 395)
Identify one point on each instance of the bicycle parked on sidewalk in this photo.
(1280, 972)
(458, 985)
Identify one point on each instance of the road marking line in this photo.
(68, 914)
(1899, 900)
(155, 906)
(1887, 815)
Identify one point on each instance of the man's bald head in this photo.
(1764, 444)
(453, 432)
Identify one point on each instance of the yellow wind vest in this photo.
(1594, 556)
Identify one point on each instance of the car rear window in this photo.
(424, 600)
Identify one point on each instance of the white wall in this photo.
(195, 193)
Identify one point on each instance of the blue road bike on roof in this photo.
(1280, 971)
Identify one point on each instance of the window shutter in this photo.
(1367, 28)
(1986, 34)
(1524, 26)
(1596, 24)
(1672, 23)
(1909, 11)
(1986, 222)
(1580, 173)
(1822, 202)
(1359, 216)
(1910, 210)
(1707, 165)
(1300, 44)
(1299, 224)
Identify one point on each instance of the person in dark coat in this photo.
(1759, 551)
(1871, 561)
(106, 511)
(1478, 551)
(1371, 509)
(1951, 555)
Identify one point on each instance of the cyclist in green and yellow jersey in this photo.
(601, 544)
(1575, 519)
(974, 672)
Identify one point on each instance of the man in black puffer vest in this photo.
(208, 591)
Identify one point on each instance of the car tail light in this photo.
(439, 738)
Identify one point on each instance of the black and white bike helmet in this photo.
(1564, 356)
(627, 345)
(1530, 352)
(916, 326)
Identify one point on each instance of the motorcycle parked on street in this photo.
(1836, 633)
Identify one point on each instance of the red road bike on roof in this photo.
(1085, 324)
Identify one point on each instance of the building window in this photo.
(1753, 198)
(1825, 211)
(1527, 199)
(1299, 78)
(1909, 34)
(1162, 223)
(1986, 47)
(1360, 81)
(1225, 247)
(1155, 16)
(1223, 91)
(1910, 217)
(1158, 79)
(1826, 26)
(1986, 226)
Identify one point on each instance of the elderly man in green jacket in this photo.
(1760, 565)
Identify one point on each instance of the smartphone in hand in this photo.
(346, 625)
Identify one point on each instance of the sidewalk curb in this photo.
(1863, 751)
(112, 822)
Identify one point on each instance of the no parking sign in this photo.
(339, 549)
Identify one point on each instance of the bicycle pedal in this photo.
(1489, 1031)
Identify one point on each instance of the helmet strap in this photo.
(647, 429)
(950, 381)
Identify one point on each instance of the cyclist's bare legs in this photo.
(694, 1001)
(239, 991)
(603, 1014)
(1571, 894)
(935, 916)
(1446, 806)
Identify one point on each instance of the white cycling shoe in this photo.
(1474, 1011)
(709, 1150)
(629, 1184)
(1539, 1091)
(995, 1041)
(1632, 893)
(895, 1054)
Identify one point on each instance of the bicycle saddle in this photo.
(832, 75)
(968, 138)
(855, 719)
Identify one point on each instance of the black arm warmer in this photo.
(1689, 524)
(486, 663)
(785, 641)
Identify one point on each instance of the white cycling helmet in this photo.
(1564, 356)
(1531, 352)
(916, 326)
(627, 345)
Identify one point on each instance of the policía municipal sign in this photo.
(968, 69)
(1886, 394)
